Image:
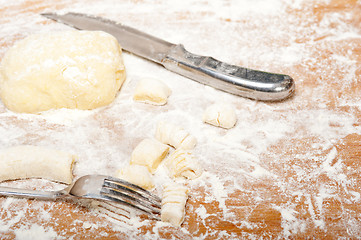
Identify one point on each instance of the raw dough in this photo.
(174, 136)
(181, 163)
(67, 69)
(220, 115)
(149, 153)
(28, 161)
(152, 91)
(173, 203)
(138, 175)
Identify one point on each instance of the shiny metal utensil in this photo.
(233, 79)
(97, 187)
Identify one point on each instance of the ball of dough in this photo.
(66, 69)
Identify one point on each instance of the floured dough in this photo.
(28, 161)
(152, 91)
(173, 203)
(149, 153)
(174, 136)
(66, 69)
(138, 175)
(181, 163)
(220, 115)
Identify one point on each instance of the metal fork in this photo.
(97, 187)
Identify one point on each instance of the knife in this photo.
(245, 82)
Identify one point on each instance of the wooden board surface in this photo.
(287, 169)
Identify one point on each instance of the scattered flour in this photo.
(287, 148)
(36, 232)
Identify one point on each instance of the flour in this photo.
(36, 232)
(285, 158)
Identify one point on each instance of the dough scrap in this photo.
(138, 175)
(65, 69)
(181, 163)
(27, 161)
(152, 91)
(174, 136)
(173, 203)
(220, 115)
(149, 153)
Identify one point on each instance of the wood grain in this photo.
(297, 199)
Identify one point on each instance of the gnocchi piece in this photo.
(149, 153)
(220, 115)
(173, 203)
(181, 163)
(152, 91)
(138, 175)
(27, 161)
(175, 136)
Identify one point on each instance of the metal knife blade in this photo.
(233, 79)
(130, 39)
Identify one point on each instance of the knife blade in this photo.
(240, 81)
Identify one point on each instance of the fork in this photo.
(97, 187)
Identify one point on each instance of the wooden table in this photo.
(288, 169)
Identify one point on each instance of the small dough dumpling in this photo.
(174, 136)
(152, 91)
(174, 199)
(220, 115)
(27, 161)
(138, 175)
(182, 163)
(63, 69)
(149, 153)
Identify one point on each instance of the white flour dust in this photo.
(276, 158)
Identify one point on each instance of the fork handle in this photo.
(26, 193)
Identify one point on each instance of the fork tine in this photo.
(117, 199)
(131, 195)
(127, 196)
(133, 190)
(144, 193)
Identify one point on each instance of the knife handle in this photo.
(233, 79)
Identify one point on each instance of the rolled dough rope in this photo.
(28, 161)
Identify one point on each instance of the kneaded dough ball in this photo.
(220, 115)
(66, 69)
